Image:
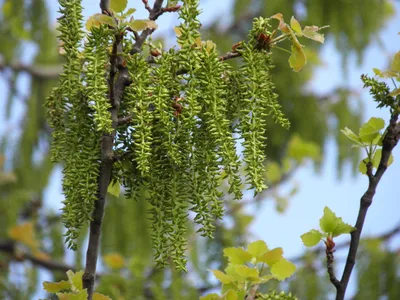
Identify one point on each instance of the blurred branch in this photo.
(39, 71)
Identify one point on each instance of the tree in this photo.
(112, 225)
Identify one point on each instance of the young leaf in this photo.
(114, 188)
(311, 238)
(231, 295)
(245, 271)
(362, 167)
(295, 26)
(377, 159)
(221, 276)
(97, 296)
(395, 92)
(257, 248)
(298, 59)
(351, 135)
(114, 260)
(312, 33)
(283, 269)
(139, 25)
(396, 63)
(213, 296)
(271, 257)
(329, 221)
(82, 295)
(75, 279)
(118, 5)
(342, 228)
(55, 287)
(237, 255)
(129, 12)
(370, 129)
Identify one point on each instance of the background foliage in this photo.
(128, 270)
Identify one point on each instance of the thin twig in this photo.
(38, 71)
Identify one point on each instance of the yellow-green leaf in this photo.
(283, 269)
(114, 188)
(245, 271)
(395, 92)
(75, 279)
(54, 287)
(221, 276)
(213, 296)
(298, 59)
(295, 25)
(82, 295)
(139, 25)
(118, 5)
(230, 295)
(114, 260)
(25, 233)
(396, 62)
(311, 238)
(237, 255)
(97, 296)
(257, 248)
(312, 33)
(271, 257)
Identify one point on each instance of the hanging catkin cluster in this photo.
(187, 109)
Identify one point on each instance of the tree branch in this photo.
(389, 142)
(38, 71)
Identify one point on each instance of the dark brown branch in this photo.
(38, 71)
(10, 248)
(389, 142)
(229, 55)
(124, 120)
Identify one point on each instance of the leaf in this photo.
(82, 295)
(213, 296)
(118, 5)
(342, 228)
(283, 269)
(114, 188)
(75, 279)
(295, 26)
(329, 221)
(54, 287)
(139, 25)
(370, 130)
(377, 72)
(221, 276)
(282, 25)
(129, 12)
(114, 260)
(237, 255)
(257, 248)
(311, 238)
(245, 271)
(298, 59)
(312, 33)
(273, 173)
(395, 66)
(395, 92)
(271, 257)
(362, 167)
(97, 296)
(24, 233)
(377, 159)
(231, 295)
(351, 135)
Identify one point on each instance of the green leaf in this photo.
(114, 188)
(298, 59)
(118, 5)
(370, 130)
(221, 276)
(75, 279)
(312, 33)
(97, 296)
(231, 295)
(54, 287)
(82, 295)
(362, 167)
(377, 159)
(295, 26)
(245, 271)
(139, 25)
(283, 269)
(311, 238)
(129, 12)
(351, 135)
(237, 255)
(257, 248)
(396, 62)
(395, 92)
(329, 221)
(271, 257)
(213, 296)
(342, 228)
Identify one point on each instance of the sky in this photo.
(316, 190)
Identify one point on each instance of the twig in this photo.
(389, 142)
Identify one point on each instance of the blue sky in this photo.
(316, 190)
